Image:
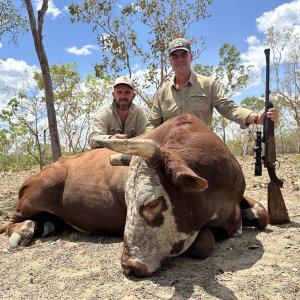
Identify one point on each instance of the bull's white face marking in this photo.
(147, 244)
(251, 213)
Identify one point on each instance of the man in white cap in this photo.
(120, 120)
(188, 92)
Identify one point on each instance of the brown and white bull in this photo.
(183, 190)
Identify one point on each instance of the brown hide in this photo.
(208, 156)
(203, 182)
(83, 190)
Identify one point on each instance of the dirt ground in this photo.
(255, 265)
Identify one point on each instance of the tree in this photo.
(285, 47)
(37, 33)
(25, 117)
(12, 22)
(4, 148)
(118, 33)
(232, 75)
(75, 101)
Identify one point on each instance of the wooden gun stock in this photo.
(276, 207)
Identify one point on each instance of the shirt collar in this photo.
(191, 81)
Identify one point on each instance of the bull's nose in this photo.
(133, 267)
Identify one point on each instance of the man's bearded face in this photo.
(123, 96)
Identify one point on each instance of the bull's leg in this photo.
(20, 233)
(253, 213)
(26, 222)
(203, 245)
(20, 228)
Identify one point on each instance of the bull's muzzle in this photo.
(131, 266)
(135, 268)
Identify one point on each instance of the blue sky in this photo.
(242, 23)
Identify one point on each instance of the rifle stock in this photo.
(276, 207)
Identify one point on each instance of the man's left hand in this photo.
(272, 114)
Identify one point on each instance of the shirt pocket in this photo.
(199, 102)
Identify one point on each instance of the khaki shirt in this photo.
(198, 98)
(106, 123)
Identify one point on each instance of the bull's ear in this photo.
(120, 159)
(181, 175)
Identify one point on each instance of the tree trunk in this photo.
(40, 51)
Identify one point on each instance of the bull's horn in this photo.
(143, 148)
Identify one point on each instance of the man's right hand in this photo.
(119, 136)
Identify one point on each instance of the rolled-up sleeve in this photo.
(228, 108)
(98, 130)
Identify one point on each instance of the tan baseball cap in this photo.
(124, 80)
(179, 43)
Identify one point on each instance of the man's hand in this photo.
(258, 118)
(272, 113)
(119, 136)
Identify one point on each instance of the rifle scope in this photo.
(258, 158)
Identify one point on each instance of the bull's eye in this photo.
(152, 212)
(155, 203)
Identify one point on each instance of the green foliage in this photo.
(253, 103)
(119, 33)
(12, 23)
(205, 70)
(17, 162)
(75, 102)
(285, 65)
(235, 146)
(288, 142)
(230, 73)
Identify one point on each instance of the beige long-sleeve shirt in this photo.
(199, 98)
(106, 123)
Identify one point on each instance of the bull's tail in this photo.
(253, 213)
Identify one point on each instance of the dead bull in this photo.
(184, 190)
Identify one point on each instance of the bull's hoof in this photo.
(49, 229)
(22, 234)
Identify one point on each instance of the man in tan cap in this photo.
(188, 92)
(120, 120)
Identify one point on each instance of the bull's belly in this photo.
(101, 220)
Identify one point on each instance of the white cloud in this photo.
(52, 9)
(85, 50)
(14, 75)
(1, 45)
(252, 40)
(287, 14)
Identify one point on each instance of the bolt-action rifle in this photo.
(276, 207)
